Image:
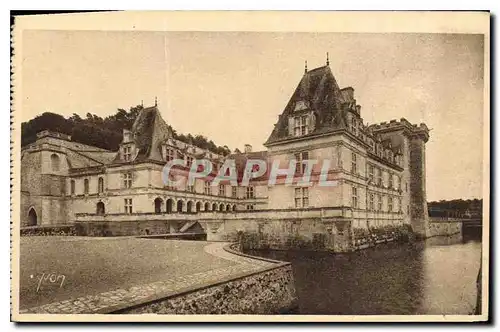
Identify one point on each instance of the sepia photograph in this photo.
(250, 166)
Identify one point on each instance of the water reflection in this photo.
(436, 276)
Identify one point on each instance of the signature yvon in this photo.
(49, 279)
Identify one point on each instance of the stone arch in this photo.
(100, 208)
(198, 206)
(180, 205)
(228, 207)
(158, 204)
(189, 206)
(55, 162)
(214, 207)
(170, 205)
(32, 217)
(221, 207)
(234, 207)
(206, 207)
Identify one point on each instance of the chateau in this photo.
(379, 171)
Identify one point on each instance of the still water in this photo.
(436, 276)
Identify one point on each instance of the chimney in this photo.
(248, 148)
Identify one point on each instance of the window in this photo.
(371, 173)
(400, 208)
(222, 190)
(301, 197)
(300, 167)
(353, 126)
(127, 153)
(55, 162)
(398, 184)
(372, 201)
(128, 205)
(250, 192)
(391, 183)
(354, 163)
(100, 186)
(190, 188)
(234, 192)
(189, 160)
(406, 184)
(170, 154)
(72, 187)
(208, 188)
(86, 186)
(250, 207)
(389, 204)
(127, 180)
(354, 202)
(379, 177)
(300, 128)
(379, 202)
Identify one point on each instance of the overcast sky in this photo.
(231, 87)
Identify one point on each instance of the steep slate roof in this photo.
(149, 131)
(320, 90)
(240, 160)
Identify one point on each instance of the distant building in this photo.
(379, 169)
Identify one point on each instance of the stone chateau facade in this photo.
(379, 172)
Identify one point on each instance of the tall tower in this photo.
(418, 199)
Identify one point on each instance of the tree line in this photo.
(106, 133)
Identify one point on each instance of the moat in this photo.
(436, 276)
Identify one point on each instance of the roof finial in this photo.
(156, 101)
(142, 103)
(305, 69)
(327, 59)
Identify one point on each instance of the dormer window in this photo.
(169, 155)
(301, 125)
(127, 153)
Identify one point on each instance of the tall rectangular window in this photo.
(300, 157)
(391, 183)
(379, 177)
(86, 186)
(100, 185)
(400, 208)
(354, 163)
(300, 127)
(72, 185)
(372, 201)
(371, 174)
(234, 192)
(189, 161)
(127, 180)
(379, 203)
(127, 153)
(354, 200)
(222, 190)
(190, 188)
(389, 204)
(301, 197)
(207, 188)
(250, 192)
(128, 205)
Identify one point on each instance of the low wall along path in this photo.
(249, 286)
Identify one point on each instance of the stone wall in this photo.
(444, 228)
(271, 291)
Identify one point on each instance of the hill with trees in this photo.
(105, 132)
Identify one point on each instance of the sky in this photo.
(231, 86)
